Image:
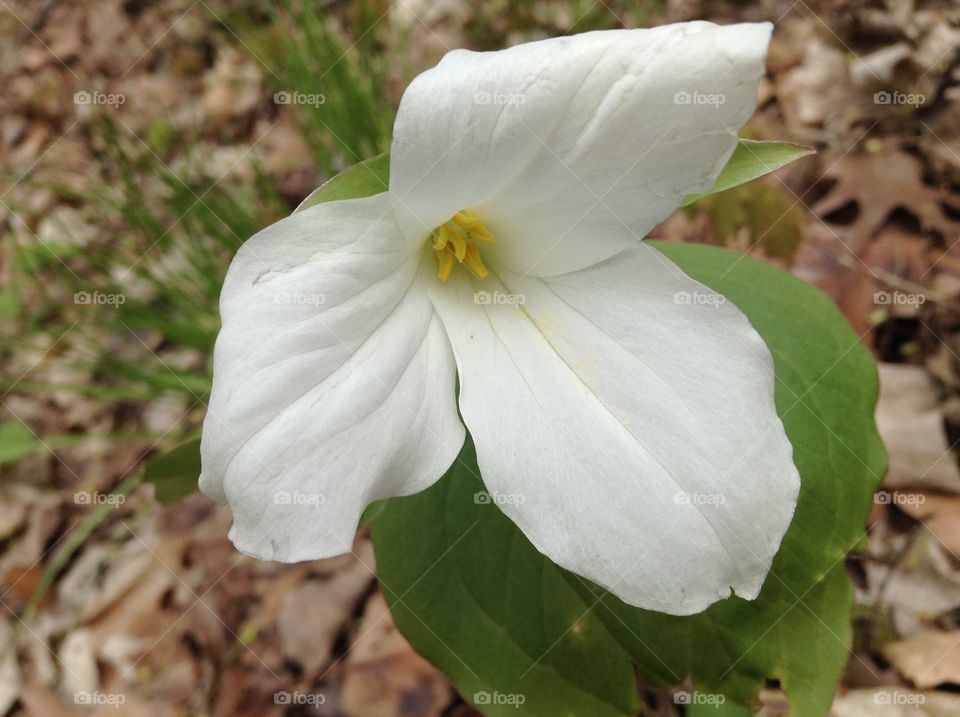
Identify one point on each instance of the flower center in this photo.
(455, 242)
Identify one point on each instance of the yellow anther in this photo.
(439, 238)
(446, 262)
(474, 263)
(455, 242)
(482, 234)
(459, 242)
(467, 219)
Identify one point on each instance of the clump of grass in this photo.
(330, 72)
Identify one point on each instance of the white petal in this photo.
(632, 436)
(333, 381)
(552, 140)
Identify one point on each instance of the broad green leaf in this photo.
(470, 592)
(480, 602)
(365, 179)
(174, 474)
(750, 160)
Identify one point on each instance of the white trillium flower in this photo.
(627, 409)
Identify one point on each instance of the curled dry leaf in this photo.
(875, 183)
(927, 660)
(911, 423)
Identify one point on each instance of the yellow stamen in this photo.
(455, 242)
(474, 262)
(467, 219)
(446, 261)
(439, 238)
(482, 234)
(459, 242)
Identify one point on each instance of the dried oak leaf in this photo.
(876, 183)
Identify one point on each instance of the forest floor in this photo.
(140, 143)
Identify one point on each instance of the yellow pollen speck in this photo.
(455, 242)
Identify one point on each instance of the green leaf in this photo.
(752, 159)
(365, 179)
(474, 597)
(470, 592)
(17, 441)
(174, 474)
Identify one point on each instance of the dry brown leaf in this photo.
(314, 613)
(815, 93)
(910, 577)
(39, 701)
(927, 660)
(895, 702)
(911, 423)
(878, 182)
(940, 513)
(384, 677)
